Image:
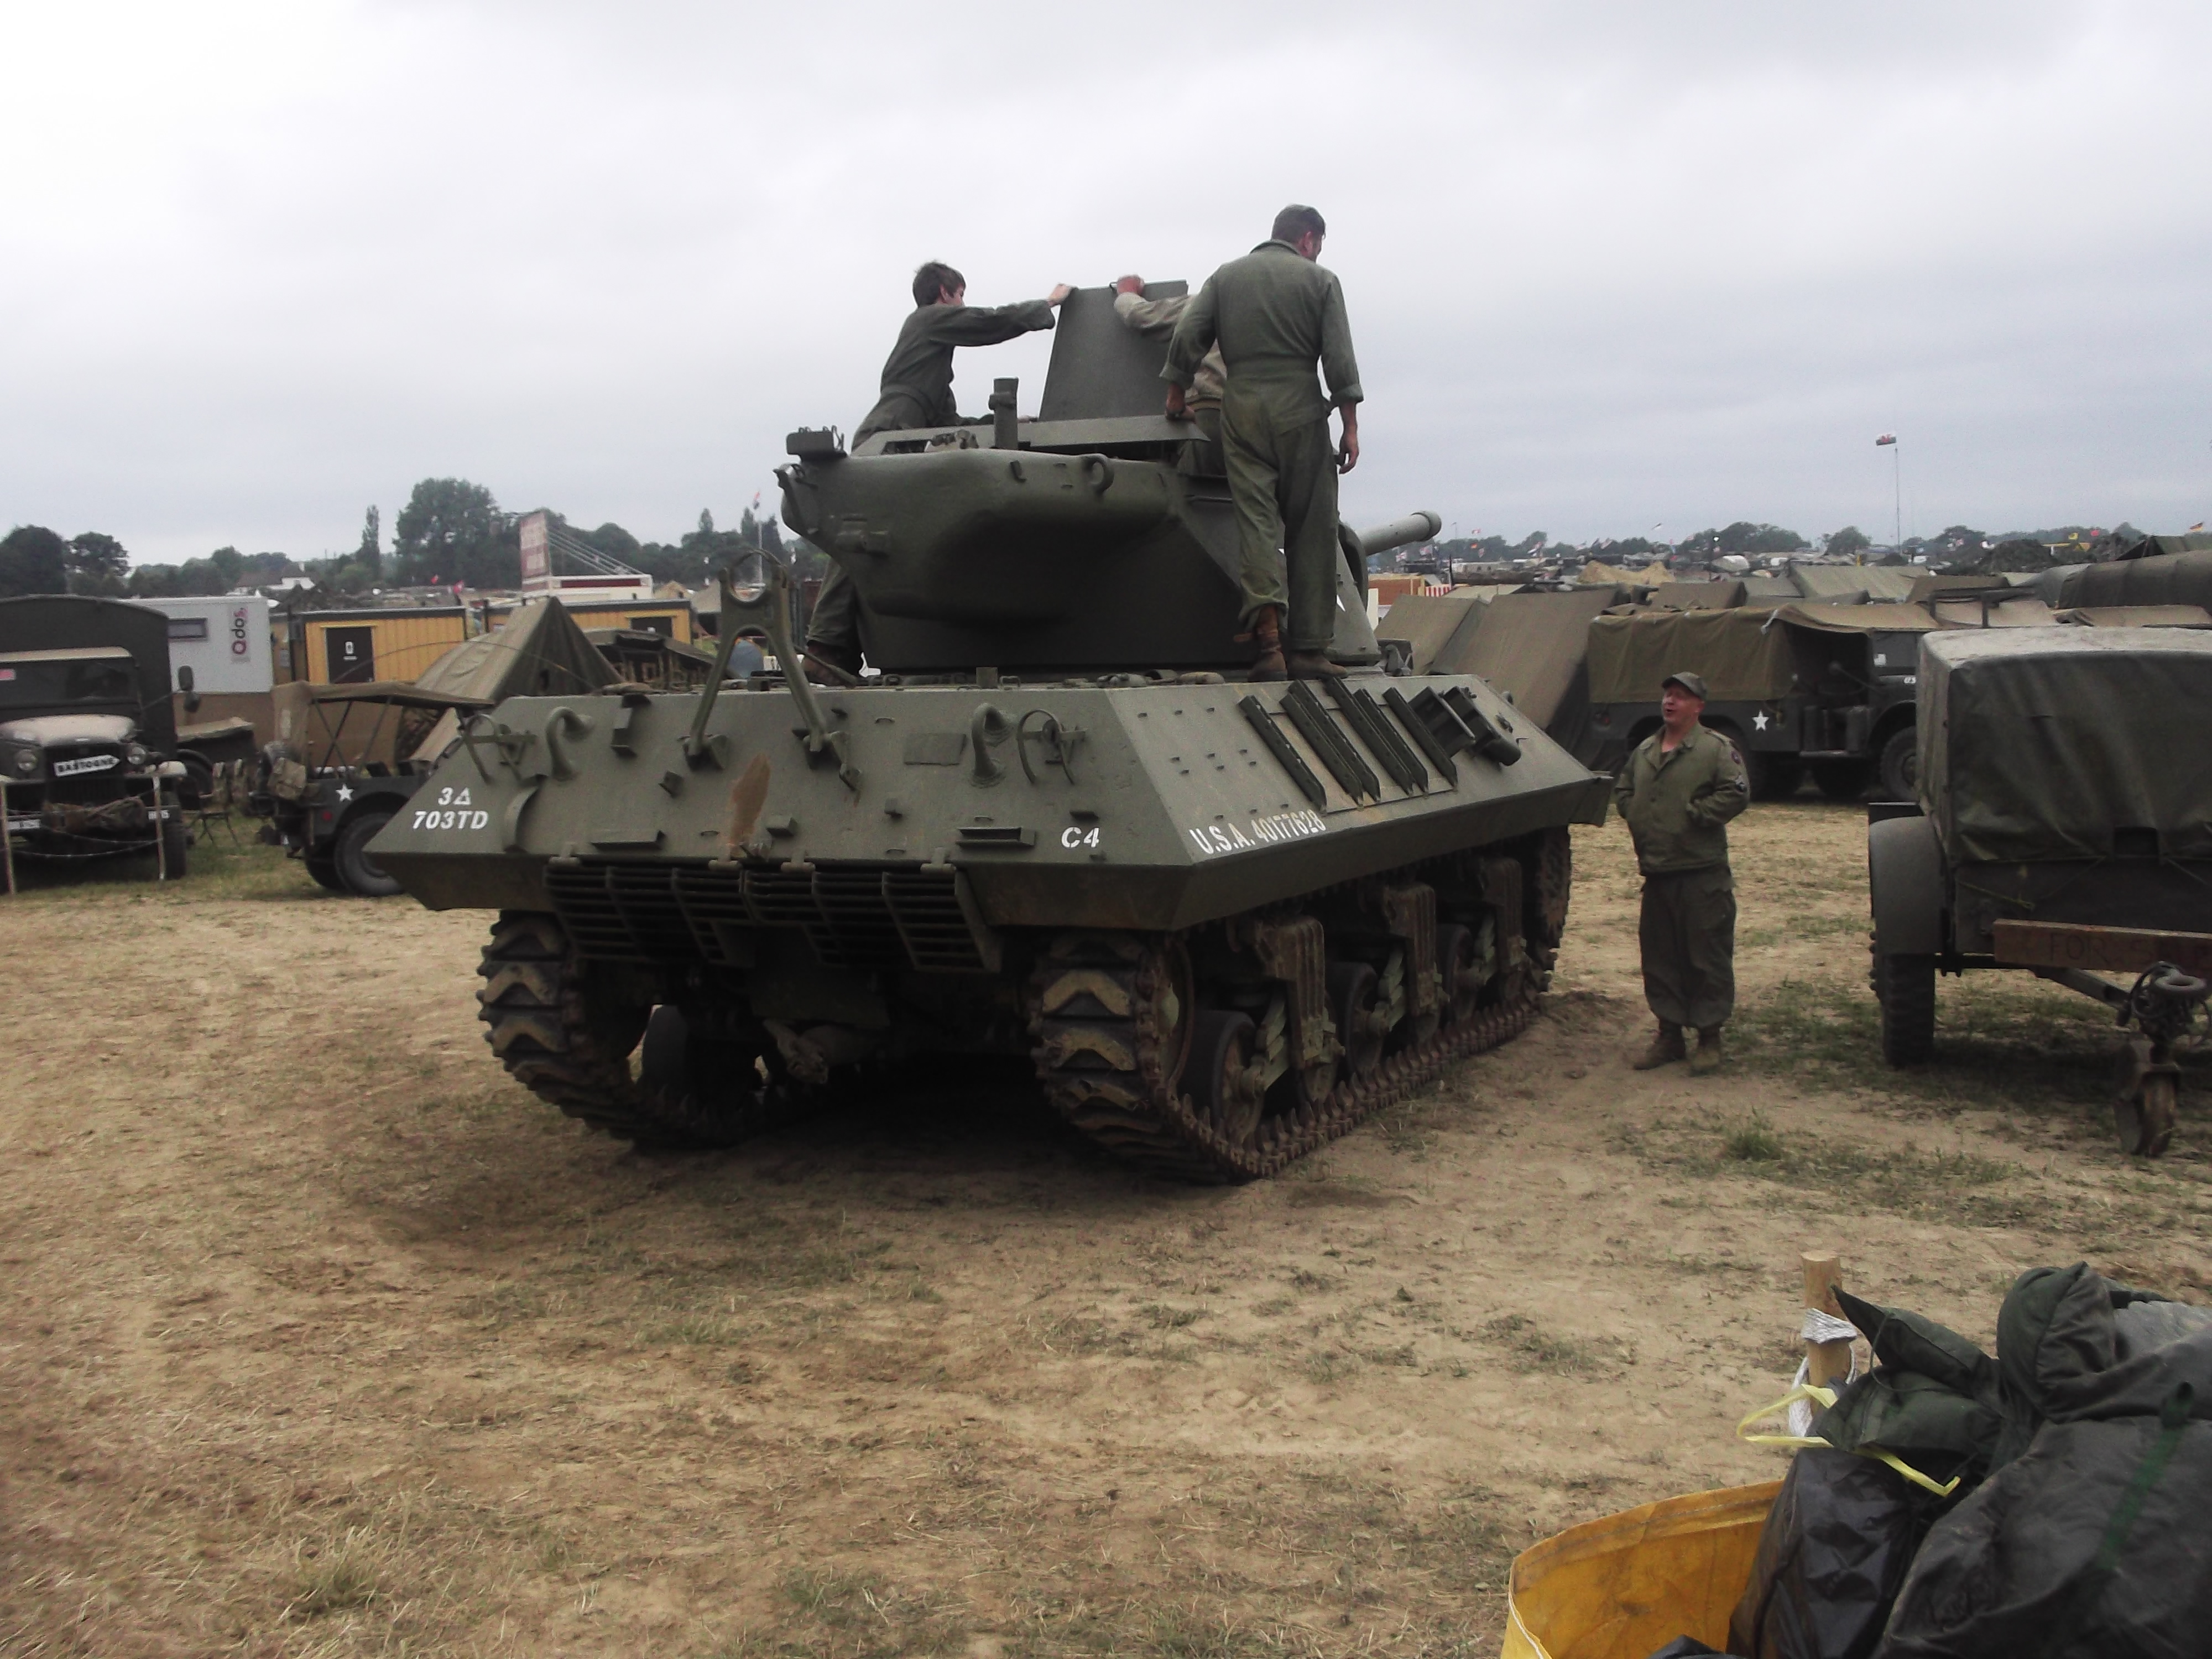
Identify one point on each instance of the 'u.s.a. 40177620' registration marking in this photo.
(452, 812)
(1267, 831)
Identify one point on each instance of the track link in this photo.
(571, 1049)
(1104, 1004)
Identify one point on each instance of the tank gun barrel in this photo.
(1399, 533)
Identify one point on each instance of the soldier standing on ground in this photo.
(1156, 320)
(1679, 789)
(1275, 313)
(915, 391)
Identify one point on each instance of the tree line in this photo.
(450, 530)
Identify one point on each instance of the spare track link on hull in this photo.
(573, 1052)
(1102, 1019)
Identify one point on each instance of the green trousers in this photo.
(1282, 484)
(1687, 931)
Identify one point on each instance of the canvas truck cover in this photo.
(2180, 578)
(2037, 743)
(1875, 582)
(1741, 658)
(1700, 596)
(1861, 618)
(537, 652)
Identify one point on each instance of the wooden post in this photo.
(1826, 1363)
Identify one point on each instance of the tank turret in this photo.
(1223, 921)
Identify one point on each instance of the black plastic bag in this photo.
(1688, 1647)
(1835, 1549)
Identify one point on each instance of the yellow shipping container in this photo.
(669, 617)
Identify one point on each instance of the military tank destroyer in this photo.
(1223, 920)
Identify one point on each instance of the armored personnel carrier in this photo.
(1223, 920)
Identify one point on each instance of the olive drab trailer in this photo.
(1222, 920)
(2063, 828)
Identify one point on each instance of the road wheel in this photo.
(1842, 780)
(1223, 1090)
(360, 873)
(1905, 988)
(1457, 968)
(1900, 765)
(1361, 1026)
(176, 838)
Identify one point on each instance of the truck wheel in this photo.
(325, 870)
(175, 840)
(362, 874)
(1900, 765)
(1905, 988)
(1841, 780)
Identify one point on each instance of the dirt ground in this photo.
(318, 1336)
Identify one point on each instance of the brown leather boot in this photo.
(1707, 1059)
(1313, 665)
(1267, 636)
(1666, 1048)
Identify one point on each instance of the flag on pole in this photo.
(1886, 439)
(2198, 526)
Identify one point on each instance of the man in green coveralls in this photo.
(1275, 313)
(1681, 786)
(916, 391)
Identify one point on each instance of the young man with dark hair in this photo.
(916, 391)
(1275, 313)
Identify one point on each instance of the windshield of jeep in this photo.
(83, 683)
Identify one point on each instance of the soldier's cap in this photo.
(1693, 683)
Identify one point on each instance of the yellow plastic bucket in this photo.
(1621, 1587)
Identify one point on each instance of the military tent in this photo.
(537, 652)
(1533, 647)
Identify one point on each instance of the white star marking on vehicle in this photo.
(345, 790)
(1759, 722)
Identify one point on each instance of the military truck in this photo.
(349, 758)
(1222, 921)
(88, 734)
(1826, 689)
(2063, 828)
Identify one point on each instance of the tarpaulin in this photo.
(2037, 743)
(1533, 646)
(2175, 578)
(1742, 660)
(1428, 622)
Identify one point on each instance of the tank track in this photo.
(1103, 1012)
(573, 1051)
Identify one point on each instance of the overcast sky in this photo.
(1608, 267)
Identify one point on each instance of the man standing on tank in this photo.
(1275, 313)
(1679, 789)
(915, 391)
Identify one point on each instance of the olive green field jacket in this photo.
(1677, 802)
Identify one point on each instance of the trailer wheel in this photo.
(362, 874)
(1905, 988)
(1899, 765)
